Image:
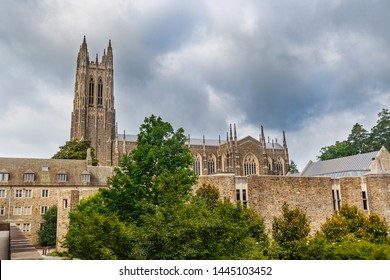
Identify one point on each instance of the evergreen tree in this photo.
(48, 233)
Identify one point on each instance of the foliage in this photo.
(289, 232)
(156, 172)
(48, 233)
(360, 140)
(150, 213)
(351, 224)
(76, 149)
(208, 193)
(293, 168)
(96, 234)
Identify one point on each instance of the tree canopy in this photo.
(76, 149)
(151, 213)
(360, 140)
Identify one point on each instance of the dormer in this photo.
(62, 176)
(86, 177)
(4, 175)
(29, 176)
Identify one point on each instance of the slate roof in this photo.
(356, 165)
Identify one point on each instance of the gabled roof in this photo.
(356, 165)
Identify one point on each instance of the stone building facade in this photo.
(93, 118)
(29, 187)
(248, 170)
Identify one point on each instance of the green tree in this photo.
(76, 149)
(351, 224)
(380, 133)
(358, 140)
(156, 172)
(209, 194)
(338, 150)
(290, 232)
(292, 168)
(48, 233)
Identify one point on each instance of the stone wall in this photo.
(351, 191)
(267, 194)
(378, 191)
(225, 184)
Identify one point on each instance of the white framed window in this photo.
(18, 210)
(28, 193)
(26, 228)
(62, 177)
(250, 166)
(27, 210)
(197, 165)
(29, 177)
(365, 201)
(4, 177)
(18, 193)
(211, 164)
(44, 209)
(2, 193)
(85, 178)
(2, 211)
(45, 193)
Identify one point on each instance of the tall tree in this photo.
(358, 140)
(380, 133)
(155, 172)
(48, 233)
(76, 149)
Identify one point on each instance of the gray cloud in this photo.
(303, 67)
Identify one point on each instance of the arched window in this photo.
(197, 165)
(91, 92)
(250, 167)
(100, 93)
(270, 164)
(211, 164)
(279, 166)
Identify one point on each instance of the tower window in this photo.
(100, 93)
(91, 93)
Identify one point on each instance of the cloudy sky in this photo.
(311, 68)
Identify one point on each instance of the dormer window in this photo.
(85, 177)
(62, 176)
(29, 176)
(4, 175)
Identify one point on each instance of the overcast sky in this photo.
(311, 68)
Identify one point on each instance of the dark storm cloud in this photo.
(293, 65)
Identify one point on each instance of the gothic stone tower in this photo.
(93, 115)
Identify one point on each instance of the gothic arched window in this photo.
(279, 166)
(90, 92)
(250, 167)
(100, 93)
(197, 165)
(211, 164)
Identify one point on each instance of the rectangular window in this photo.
(45, 193)
(365, 204)
(243, 195)
(18, 193)
(338, 199)
(44, 209)
(2, 193)
(18, 210)
(62, 177)
(2, 211)
(238, 195)
(85, 178)
(27, 210)
(28, 193)
(26, 228)
(4, 177)
(65, 203)
(29, 177)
